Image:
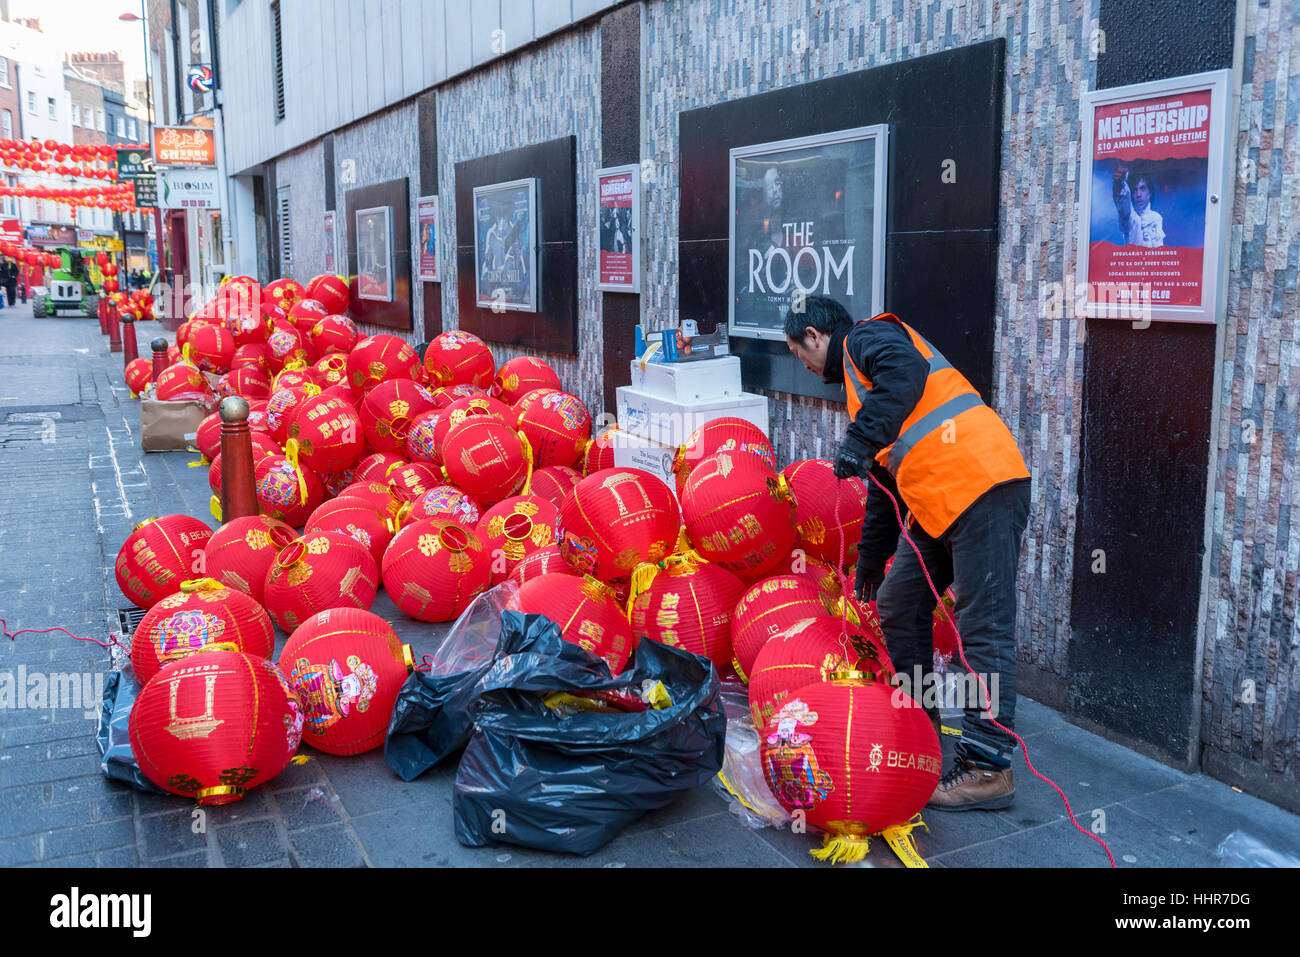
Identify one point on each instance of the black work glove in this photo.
(853, 458)
(866, 579)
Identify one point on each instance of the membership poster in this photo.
(619, 229)
(426, 214)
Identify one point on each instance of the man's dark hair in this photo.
(821, 312)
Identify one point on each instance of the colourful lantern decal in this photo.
(456, 357)
(204, 613)
(557, 426)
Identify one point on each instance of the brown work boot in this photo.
(968, 787)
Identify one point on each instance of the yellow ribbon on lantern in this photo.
(214, 506)
(293, 365)
(291, 455)
(201, 584)
(899, 839)
(528, 463)
(187, 355)
(395, 523)
(642, 576)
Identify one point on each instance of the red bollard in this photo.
(114, 330)
(103, 315)
(238, 497)
(159, 347)
(129, 349)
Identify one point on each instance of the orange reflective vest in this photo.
(952, 447)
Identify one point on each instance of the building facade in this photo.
(1159, 573)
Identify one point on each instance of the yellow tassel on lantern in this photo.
(291, 454)
(642, 576)
(201, 584)
(528, 464)
(842, 848)
(187, 355)
(395, 523)
(214, 506)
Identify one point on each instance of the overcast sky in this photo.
(90, 26)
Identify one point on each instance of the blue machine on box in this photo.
(684, 344)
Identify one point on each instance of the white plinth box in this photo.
(633, 452)
(670, 422)
(689, 381)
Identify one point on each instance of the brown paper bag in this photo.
(169, 426)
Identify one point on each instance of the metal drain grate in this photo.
(129, 617)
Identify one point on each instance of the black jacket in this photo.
(884, 353)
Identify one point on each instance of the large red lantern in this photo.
(465, 409)
(434, 568)
(286, 490)
(328, 432)
(544, 561)
(412, 479)
(617, 519)
(457, 357)
(517, 377)
(249, 383)
(330, 291)
(158, 555)
(387, 411)
(215, 725)
(319, 571)
(183, 383)
(378, 358)
(689, 605)
(139, 373)
(332, 335)
(554, 483)
(297, 377)
(245, 326)
(283, 293)
(357, 519)
(556, 424)
(739, 513)
(514, 528)
(586, 611)
(332, 370)
(207, 437)
(850, 759)
(347, 666)
(240, 553)
(769, 608)
(485, 457)
(282, 406)
(828, 512)
(213, 347)
(806, 652)
(446, 502)
(376, 467)
(254, 355)
(725, 434)
(203, 613)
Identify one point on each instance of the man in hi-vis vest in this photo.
(921, 430)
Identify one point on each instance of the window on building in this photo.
(121, 126)
(4, 72)
(131, 130)
(7, 125)
(53, 107)
(31, 102)
(102, 127)
(76, 115)
(277, 62)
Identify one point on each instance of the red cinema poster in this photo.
(426, 214)
(1150, 182)
(619, 226)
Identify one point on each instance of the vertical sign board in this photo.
(426, 218)
(331, 243)
(1153, 199)
(618, 203)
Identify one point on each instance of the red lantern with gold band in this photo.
(544, 561)
(514, 528)
(457, 357)
(586, 611)
(827, 530)
(215, 725)
(739, 513)
(287, 490)
(286, 344)
(183, 383)
(806, 652)
(283, 292)
(183, 331)
(376, 467)
(207, 437)
(413, 479)
(445, 396)
(387, 411)
(158, 555)
(331, 370)
(347, 666)
(446, 502)
(330, 291)
(725, 434)
(853, 762)
(466, 409)
(254, 355)
(296, 376)
(556, 424)
(377, 359)
(769, 608)
(616, 520)
(434, 568)
(305, 313)
(554, 483)
(381, 496)
(355, 518)
(321, 570)
(485, 457)
(213, 347)
(519, 376)
(599, 453)
(139, 373)
(203, 613)
(240, 553)
(688, 605)
(328, 432)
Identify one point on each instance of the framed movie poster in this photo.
(618, 204)
(505, 246)
(1153, 200)
(331, 243)
(808, 218)
(426, 218)
(375, 254)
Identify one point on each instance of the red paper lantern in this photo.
(544, 561)
(286, 346)
(725, 434)
(850, 759)
(420, 443)
(296, 378)
(378, 358)
(328, 432)
(806, 652)
(207, 437)
(381, 496)
(246, 382)
(215, 725)
(769, 608)
(485, 457)
(183, 383)
(585, 610)
(556, 424)
(434, 568)
(689, 605)
(332, 370)
(443, 397)
(387, 411)
(245, 325)
(332, 335)
(139, 373)
(355, 518)
(305, 313)
(283, 293)
(554, 483)
(599, 453)
(203, 613)
(822, 574)
(457, 357)
(465, 409)
(158, 555)
(330, 291)
(514, 528)
(287, 491)
(347, 666)
(827, 530)
(254, 355)
(283, 405)
(257, 417)
(263, 447)
(616, 519)
(739, 513)
(319, 571)
(517, 377)
(446, 502)
(377, 467)
(213, 348)
(240, 553)
(413, 479)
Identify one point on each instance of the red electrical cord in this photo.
(4, 627)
